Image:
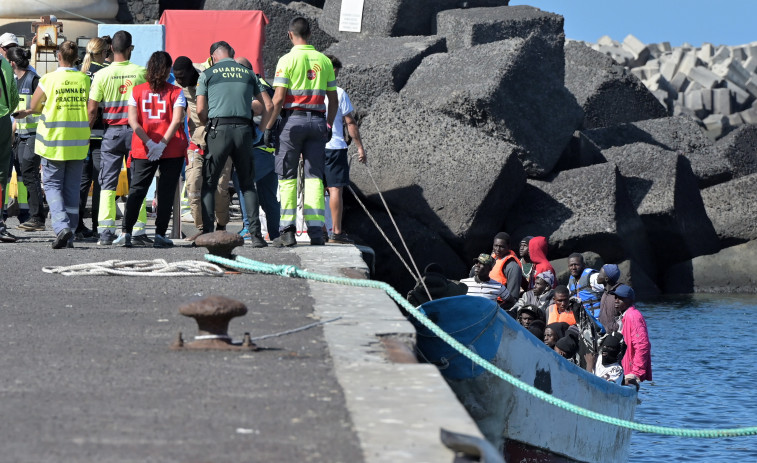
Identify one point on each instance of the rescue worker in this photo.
(156, 114)
(8, 101)
(62, 139)
(304, 78)
(111, 89)
(187, 75)
(26, 131)
(224, 99)
(583, 283)
(94, 60)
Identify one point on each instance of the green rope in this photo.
(294, 272)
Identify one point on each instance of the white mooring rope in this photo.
(156, 267)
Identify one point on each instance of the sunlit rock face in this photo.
(98, 9)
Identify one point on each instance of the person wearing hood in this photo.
(438, 286)
(537, 253)
(567, 347)
(507, 268)
(541, 294)
(608, 362)
(609, 317)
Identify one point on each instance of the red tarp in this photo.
(191, 32)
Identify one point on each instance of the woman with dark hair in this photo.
(62, 139)
(156, 113)
(26, 160)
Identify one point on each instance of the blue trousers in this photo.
(267, 183)
(61, 180)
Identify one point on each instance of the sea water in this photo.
(704, 364)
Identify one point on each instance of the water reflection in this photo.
(704, 364)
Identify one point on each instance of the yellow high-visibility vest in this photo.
(63, 129)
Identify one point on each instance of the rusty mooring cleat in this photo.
(213, 315)
(220, 243)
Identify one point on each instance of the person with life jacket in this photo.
(111, 90)
(26, 132)
(62, 139)
(507, 268)
(156, 115)
(583, 283)
(537, 254)
(94, 60)
(561, 310)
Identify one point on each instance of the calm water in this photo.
(704, 363)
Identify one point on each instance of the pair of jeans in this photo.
(61, 180)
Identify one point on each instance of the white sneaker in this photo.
(124, 239)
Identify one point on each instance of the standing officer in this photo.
(224, 97)
(111, 89)
(304, 77)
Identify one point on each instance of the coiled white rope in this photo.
(132, 268)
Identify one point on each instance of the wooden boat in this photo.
(525, 428)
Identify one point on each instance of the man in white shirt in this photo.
(337, 166)
(481, 285)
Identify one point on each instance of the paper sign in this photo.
(351, 16)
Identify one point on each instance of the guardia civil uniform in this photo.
(306, 74)
(63, 142)
(229, 88)
(112, 87)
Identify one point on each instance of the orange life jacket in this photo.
(498, 272)
(553, 316)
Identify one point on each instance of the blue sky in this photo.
(720, 22)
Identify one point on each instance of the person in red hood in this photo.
(537, 252)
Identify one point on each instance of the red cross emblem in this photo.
(153, 106)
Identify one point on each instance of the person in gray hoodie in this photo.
(541, 294)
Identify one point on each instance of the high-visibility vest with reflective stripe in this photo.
(63, 129)
(27, 126)
(307, 74)
(112, 87)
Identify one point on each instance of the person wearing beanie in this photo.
(567, 347)
(609, 275)
(637, 361)
(540, 295)
(537, 329)
(554, 332)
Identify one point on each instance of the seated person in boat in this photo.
(567, 346)
(608, 361)
(554, 332)
(537, 328)
(541, 295)
(561, 310)
(482, 285)
(526, 315)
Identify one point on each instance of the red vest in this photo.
(154, 113)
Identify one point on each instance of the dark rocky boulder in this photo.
(395, 18)
(520, 98)
(607, 92)
(716, 273)
(731, 208)
(426, 246)
(740, 149)
(279, 14)
(374, 65)
(664, 191)
(633, 275)
(468, 27)
(583, 209)
(456, 181)
(680, 134)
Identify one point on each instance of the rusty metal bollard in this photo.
(213, 315)
(220, 243)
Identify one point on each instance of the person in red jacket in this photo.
(637, 361)
(537, 252)
(156, 113)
